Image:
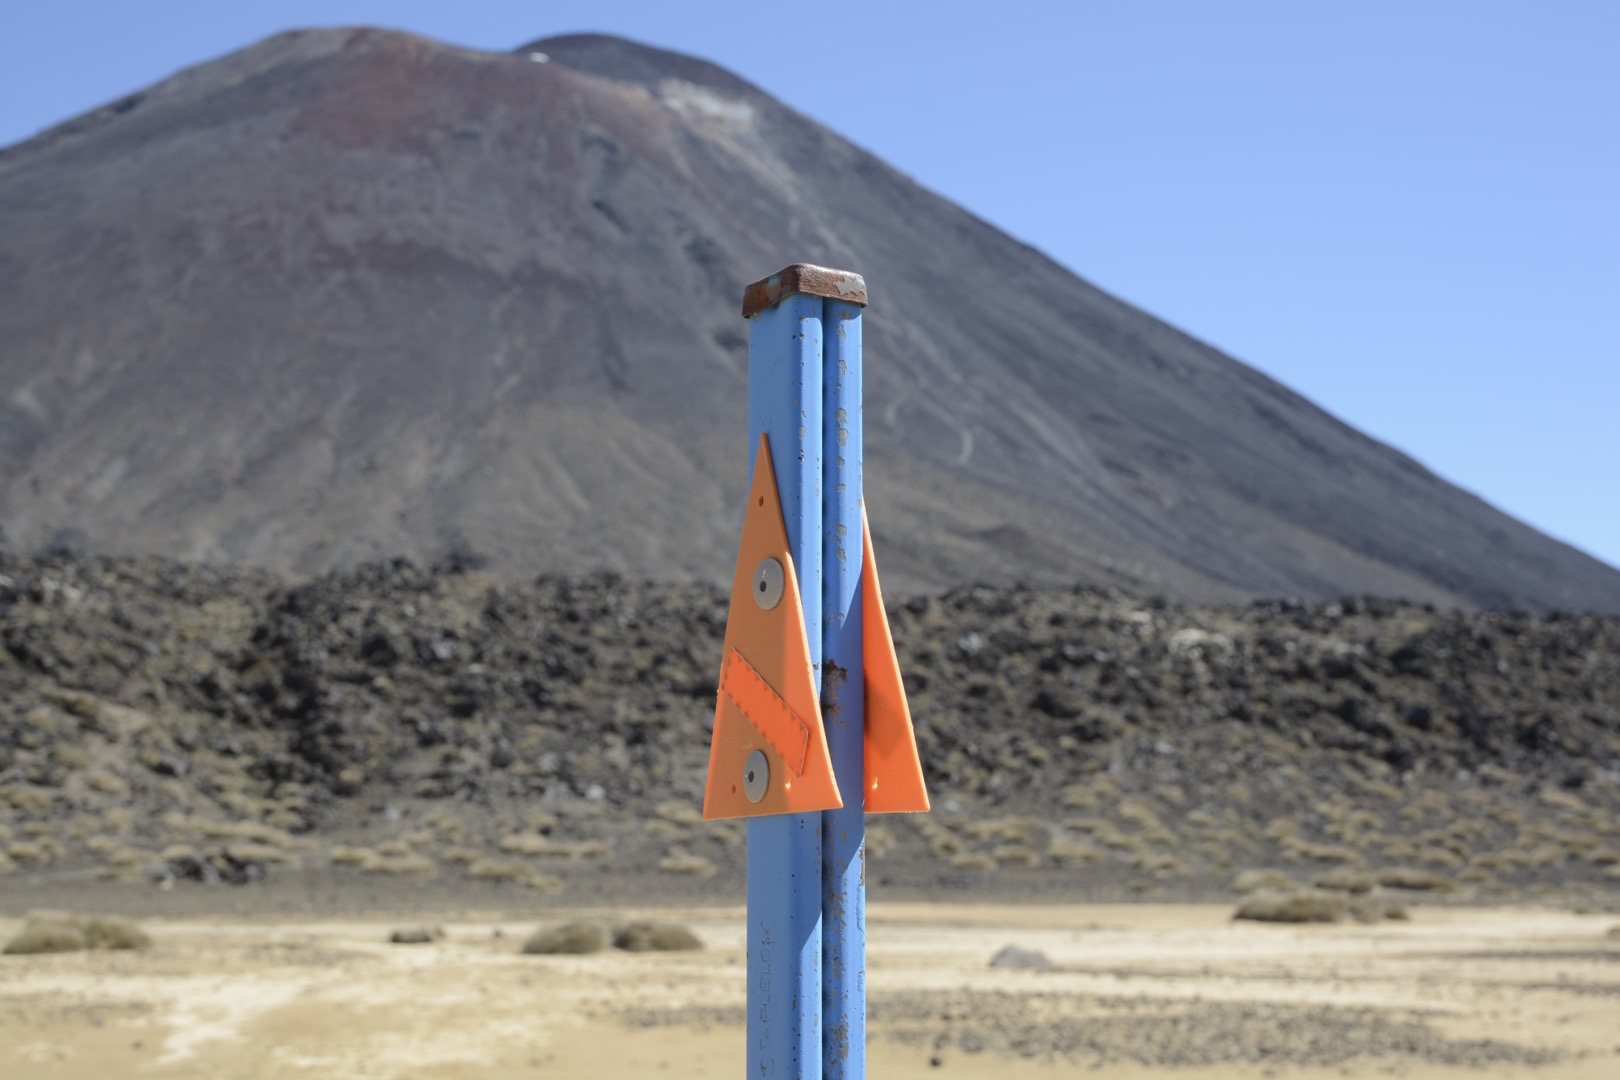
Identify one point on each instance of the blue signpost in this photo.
(784, 851)
(811, 726)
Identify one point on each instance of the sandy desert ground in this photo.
(1135, 991)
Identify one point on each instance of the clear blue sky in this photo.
(1407, 211)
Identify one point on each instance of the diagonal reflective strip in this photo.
(763, 707)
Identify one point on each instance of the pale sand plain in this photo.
(1136, 991)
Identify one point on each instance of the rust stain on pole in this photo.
(803, 278)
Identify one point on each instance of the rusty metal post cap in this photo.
(803, 278)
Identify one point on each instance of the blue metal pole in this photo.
(843, 831)
(784, 851)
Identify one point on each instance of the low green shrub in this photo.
(109, 932)
(681, 861)
(55, 931)
(1405, 877)
(1347, 879)
(575, 938)
(655, 937)
(1250, 881)
(1299, 906)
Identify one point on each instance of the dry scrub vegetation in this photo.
(58, 931)
(196, 725)
(580, 937)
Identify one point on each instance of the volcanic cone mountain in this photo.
(351, 293)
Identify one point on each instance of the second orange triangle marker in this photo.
(894, 777)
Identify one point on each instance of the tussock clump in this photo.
(250, 831)
(942, 842)
(109, 932)
(106, 782)
(530, 844)
(522, 874)
(27, 800)
(262, 853)
(29, 851)
(1281, 829)
(1450, 860)
(1010, 830)
(974, 860)
(450, 828)
(681, 861)
(1300, 906)
(47, 935)
(1015, 855)
(498, 870)
(663, 830)
(587, 849)
(1159, 863)
(401, 866)
(388, 859)
(1370, 907)
(1298, 850)
(1347, 879)
(1405, 877)
(128, 857)
(655, 937)
(344, 854)
(1066, 850)
(573, 939)
(880, 840)
(1149, 826)
(55, 931)
(679, 813)
(544, 883)
(416, 935)
(1079, 797)
(1250, 881)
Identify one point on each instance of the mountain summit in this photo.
(350, 294)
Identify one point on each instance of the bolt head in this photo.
(756, 776)
(769, 581)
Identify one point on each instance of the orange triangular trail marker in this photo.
(769, 750)
(894, 778)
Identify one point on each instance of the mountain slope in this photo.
(352, 293)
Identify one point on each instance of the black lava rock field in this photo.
(441, 731)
